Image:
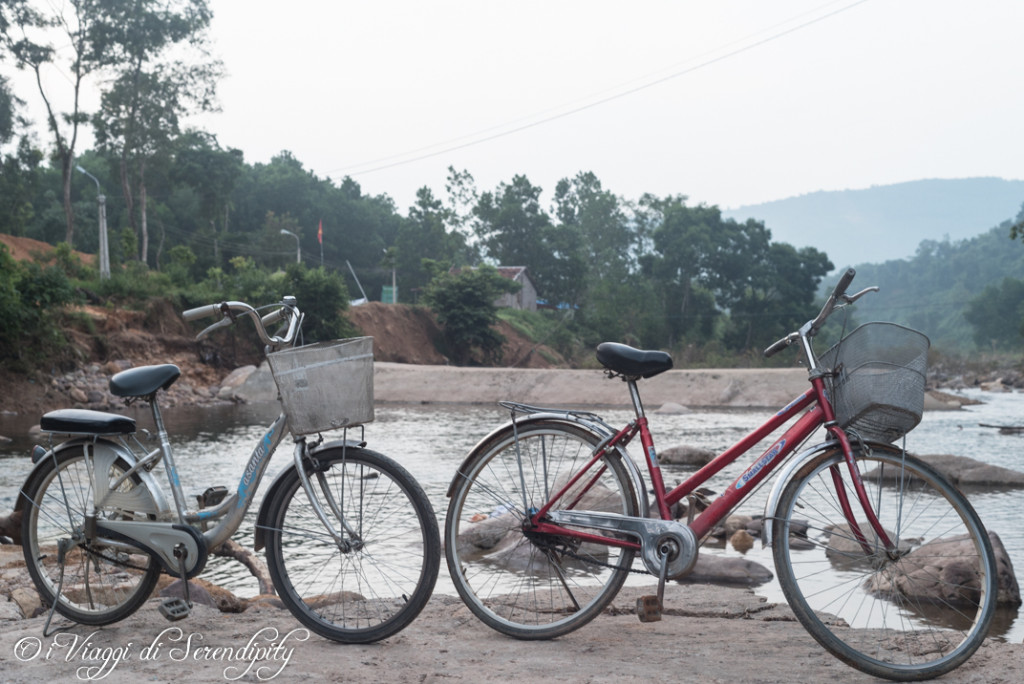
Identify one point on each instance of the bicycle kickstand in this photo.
(648, 608)
(177, 607)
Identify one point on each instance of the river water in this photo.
(212, 445)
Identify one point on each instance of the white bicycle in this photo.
(352, 541)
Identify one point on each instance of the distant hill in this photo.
(888, 222)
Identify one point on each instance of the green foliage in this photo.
(129, 244)
(182, 259)
(555, 329)
(323, 298)
(464, 305)
(67, 261)
(997, 315)
(31, 300)
(515, 231)
(20, 183)
(425, 235)
(7, 111)
(932, 291)
(652, 272)
(321, 294)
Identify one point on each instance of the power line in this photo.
(453, 145)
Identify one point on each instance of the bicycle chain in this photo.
(545, 544)
(114, 561)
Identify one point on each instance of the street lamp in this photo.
(104, 251)
(298, 246)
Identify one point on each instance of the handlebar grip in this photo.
(844, 283)
(273, 317)
(778, 346)
(201, 312)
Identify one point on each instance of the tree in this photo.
(464, 305)
(19, 169)
(425, 236)
(28, 36)
(777, 298)
(323, 299)
(88, 38)
(1017, 229)
(515, 231)
(8, 104)
(140, 110)
(997, 315)
(511, 224)
(682, 241)
(211, 173)
(607, 242)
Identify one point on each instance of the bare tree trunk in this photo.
(160, 245)
(144, 223)
(232, 549)
(129, 196)
(66, 160)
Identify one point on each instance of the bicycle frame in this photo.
(820, 414)
(231, 511)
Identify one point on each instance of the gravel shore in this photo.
(708, 634)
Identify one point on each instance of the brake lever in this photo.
(850, 299)
(222, 323)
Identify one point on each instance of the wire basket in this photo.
(879, 377)
(325, 386)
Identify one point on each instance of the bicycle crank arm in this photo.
(658, 538)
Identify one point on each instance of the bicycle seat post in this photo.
(165, 448)
(634, 395)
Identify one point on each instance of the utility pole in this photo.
(104, 250)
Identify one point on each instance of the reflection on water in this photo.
(213, 444)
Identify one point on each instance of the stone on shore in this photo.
(937, 572)
(715, 569)
(259, 386)
(206, 593)
(234, 380)
(935, 400)
(967, 472)
(686, 455)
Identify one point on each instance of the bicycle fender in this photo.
(597, 429)
(149, 499)
(263, 517)
(790, 469)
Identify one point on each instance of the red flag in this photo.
(320, 233)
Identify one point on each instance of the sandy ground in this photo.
(711, 634)
(693, 388)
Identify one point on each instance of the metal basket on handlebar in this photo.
(879, 377)
(325, 386)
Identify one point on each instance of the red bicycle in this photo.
(884, 562)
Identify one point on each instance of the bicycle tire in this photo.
(100, 584)
(377, 587)
(895, 618)
(519, 584)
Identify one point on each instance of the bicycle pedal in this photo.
(648, 609)
(174, 609)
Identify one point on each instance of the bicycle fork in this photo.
(348, 539)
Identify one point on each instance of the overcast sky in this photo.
(729, 103)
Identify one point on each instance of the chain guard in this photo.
(658, 538)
